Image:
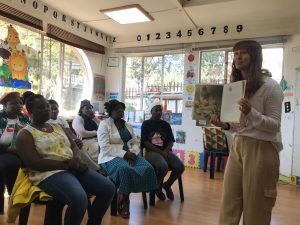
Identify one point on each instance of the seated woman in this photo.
(11, 121)
(158, 139)
(119, 156)
(85, 124)
(24, 98)
(54, 119)
(52, 160)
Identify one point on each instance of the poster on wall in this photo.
(112, 95)
(139, 116)
(113, 62)
(166, 116)
(176, 119)
(15, 62)
(180, 137)
(99, 87)
(190, 77)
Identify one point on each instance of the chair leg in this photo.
(53, 214)
(2, 189)
(24, 214)
(114, 204)
(152, 198)
(144, 195)
(89, 206)
(219, 162)
(180, 188)
(212, 165)
(206, 155)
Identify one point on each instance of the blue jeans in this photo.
(71, 188)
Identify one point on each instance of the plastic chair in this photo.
(215, 145)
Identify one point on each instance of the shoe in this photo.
(161, 196)
(125, 210)
(169, 192)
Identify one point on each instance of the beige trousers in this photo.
(250, 180)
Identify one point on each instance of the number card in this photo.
(180, 154)
(191, 159)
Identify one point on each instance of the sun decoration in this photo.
(190, 89)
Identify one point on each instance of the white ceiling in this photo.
(170, 15)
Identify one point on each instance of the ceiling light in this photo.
(128, 14)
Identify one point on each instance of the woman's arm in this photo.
(271, 119)
(134, 143)
(27, 152)
(83, 156)
(78, 126)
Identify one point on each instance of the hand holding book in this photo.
(245, 106)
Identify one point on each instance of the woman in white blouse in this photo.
(120, 157)
(253, 167)
(85, 124)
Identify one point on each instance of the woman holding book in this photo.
(253, 167)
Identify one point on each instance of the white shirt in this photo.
(264, 120)
(110, 142)
(8, 133)
(78, 126)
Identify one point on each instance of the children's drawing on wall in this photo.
(137, 129)
(189, 104)
(176, 119)
(166, 116)
(99, 87)
(180, 137)
(190, 75)
(139, 116)
(16, 61)
(200, 123)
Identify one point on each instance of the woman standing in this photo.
(54, 165)
(253, 167)
(120, 157)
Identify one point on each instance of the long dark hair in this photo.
(255, 81)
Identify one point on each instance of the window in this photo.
(61, 74)
(154, 77)
(216, 64)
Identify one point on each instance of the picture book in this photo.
(220, 100)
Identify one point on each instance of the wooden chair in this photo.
(2, 190)
(53, 213)
(215, 145)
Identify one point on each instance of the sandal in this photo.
(125, 210)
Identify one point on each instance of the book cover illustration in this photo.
(208, 101)
(219, 100)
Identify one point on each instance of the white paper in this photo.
(232, 93)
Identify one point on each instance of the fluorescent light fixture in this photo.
(128, 14)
